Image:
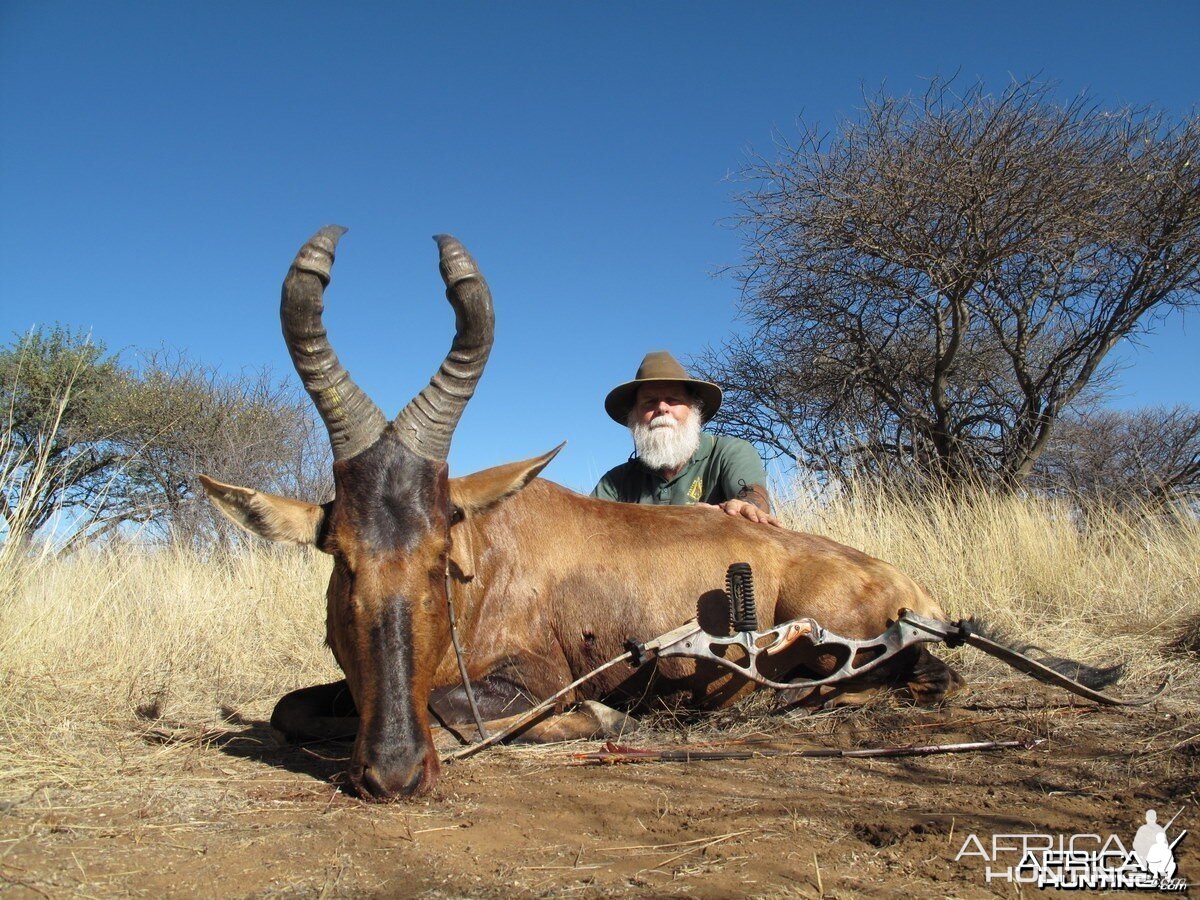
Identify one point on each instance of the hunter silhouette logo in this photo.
(1083, 861)
(1151, 847)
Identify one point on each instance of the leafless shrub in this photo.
(1145, 456)
(188, 418)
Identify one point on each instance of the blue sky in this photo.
(161, 163)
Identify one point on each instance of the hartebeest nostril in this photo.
(371, 785)
(391, 782)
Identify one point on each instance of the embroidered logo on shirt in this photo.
(696, 491)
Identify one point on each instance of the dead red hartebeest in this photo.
(547, 583)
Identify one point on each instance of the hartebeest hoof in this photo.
(607, 722)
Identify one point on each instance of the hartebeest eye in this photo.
(456, 515)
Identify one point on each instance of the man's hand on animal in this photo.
(744, 510)
(675, 462)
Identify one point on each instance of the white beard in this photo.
(665, 443)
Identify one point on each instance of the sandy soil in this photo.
(197, 809)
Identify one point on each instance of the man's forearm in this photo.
(756, 494)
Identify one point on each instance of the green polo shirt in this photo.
(721, 468)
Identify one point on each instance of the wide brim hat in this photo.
(660, 366)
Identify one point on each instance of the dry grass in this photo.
(1124, 586)
(110, 639)
(99, 642)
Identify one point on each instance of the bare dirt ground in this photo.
(217, 808)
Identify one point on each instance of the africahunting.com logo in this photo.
(1082, 861)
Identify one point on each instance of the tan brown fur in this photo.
(548, 584)
(561, 580)
(380, 577)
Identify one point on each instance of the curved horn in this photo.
(427, 424)
(353, 420)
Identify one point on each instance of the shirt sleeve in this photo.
(741, 468)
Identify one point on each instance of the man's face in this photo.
(664, 398)
(665, 425)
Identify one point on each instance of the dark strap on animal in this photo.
(462, 664)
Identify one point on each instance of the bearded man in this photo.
(674, 461)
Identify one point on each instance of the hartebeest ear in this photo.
(475, 493)
(267, 515)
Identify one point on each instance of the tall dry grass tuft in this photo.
(97, 644)
(146, 622)
(1111, 583)
(25, 471)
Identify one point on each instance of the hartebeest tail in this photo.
(1095, 677)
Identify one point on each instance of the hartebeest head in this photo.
(388, 526)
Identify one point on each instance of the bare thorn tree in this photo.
(187, 418)
(91, 448)
(934, 284)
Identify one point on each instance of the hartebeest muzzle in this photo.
(392, 752)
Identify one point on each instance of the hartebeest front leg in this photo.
(590, 720)
(326, 712)
(507, 692)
